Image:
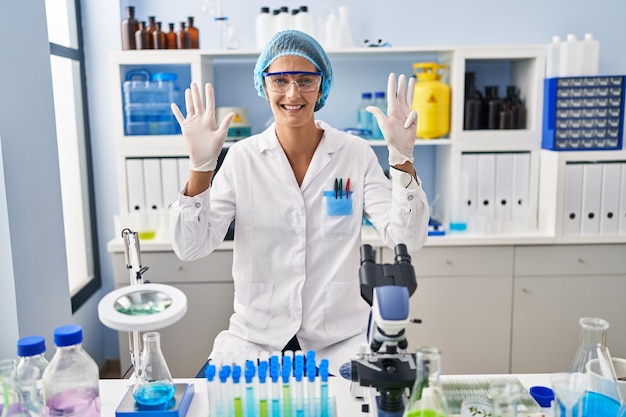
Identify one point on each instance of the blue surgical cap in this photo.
(289, 43)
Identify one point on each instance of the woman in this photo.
(298, 192)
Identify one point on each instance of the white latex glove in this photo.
(400, 123)
(203, 138)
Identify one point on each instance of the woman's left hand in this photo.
(400, 123)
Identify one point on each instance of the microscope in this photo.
(383, 369)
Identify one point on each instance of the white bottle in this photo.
(304, 21)
(571, 62)
(345, 33)
(332, 32)
(553, 57)
(264, 26)
(284, 20)
(591, 55)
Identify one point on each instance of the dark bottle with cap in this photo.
(129, 26)
(158, 37)
(142, 36)
(194, 34)
(473, 104)
(182, 37)
(517, 107)
(494, 105)
(151, 28)
(170, 38)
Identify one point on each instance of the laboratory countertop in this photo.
(113, 390)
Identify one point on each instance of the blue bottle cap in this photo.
(543, 395)
(31, 346)
(68, 335)
(164, 76)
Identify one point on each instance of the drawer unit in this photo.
(570, 260)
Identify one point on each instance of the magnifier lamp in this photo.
(142, 307)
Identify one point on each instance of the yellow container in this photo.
(431, 100)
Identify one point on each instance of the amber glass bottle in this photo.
(158, 37)
(183, 40)
(194, 34)
(151, 28)
(170, 38)
(129, 25)
(142, 37)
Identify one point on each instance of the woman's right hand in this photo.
(203, 138)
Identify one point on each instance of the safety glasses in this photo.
(280, 82)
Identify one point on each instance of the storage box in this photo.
(147, 100)
(583, 113)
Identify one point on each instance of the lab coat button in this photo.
(410, 197)
(198, 205)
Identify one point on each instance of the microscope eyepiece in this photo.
(367, 254)
(402, 255)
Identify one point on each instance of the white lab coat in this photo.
(295, 268)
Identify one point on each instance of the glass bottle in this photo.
(593, 359)
(151, 28)
(158, 37)
(26, 384)
(505, 397)
(129, 26)
(70, 382)
(170, 38)
(142, 36)
(194, 34)
(154, 385)
(494, 105)
(8, 391)
(182, 37)
(30, 352)
(473, 103)
(427, 397)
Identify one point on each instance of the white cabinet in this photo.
(463, 298)
(209, 288)
(554, 287)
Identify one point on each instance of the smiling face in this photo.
(292, 108)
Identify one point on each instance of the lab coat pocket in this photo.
(338, 222)
(340, 308)
(253, 301)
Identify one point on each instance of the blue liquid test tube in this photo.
(311, 373)
(274, 375)
(324, 388)
(298, 373)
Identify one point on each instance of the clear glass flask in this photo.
(153, 382)
(427, 397)
(593, 359)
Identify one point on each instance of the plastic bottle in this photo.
(571, 62)
(345, 33)
(591, 55)
(304, 21)
(194, 34)
(30, 352)
(264, 27)
(129, 26)
(284, 20)
(553, 57)
(381, 103)
(364, 118)
(70, 382)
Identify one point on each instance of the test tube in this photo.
(237, 391)
(225, 398)
(311, 372)
(250, 401)
(274, 375)
(209, 373)
(298, 373)
(324, 388)
(286, 376)
(263, 394)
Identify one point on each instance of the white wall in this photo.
(33, 250)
